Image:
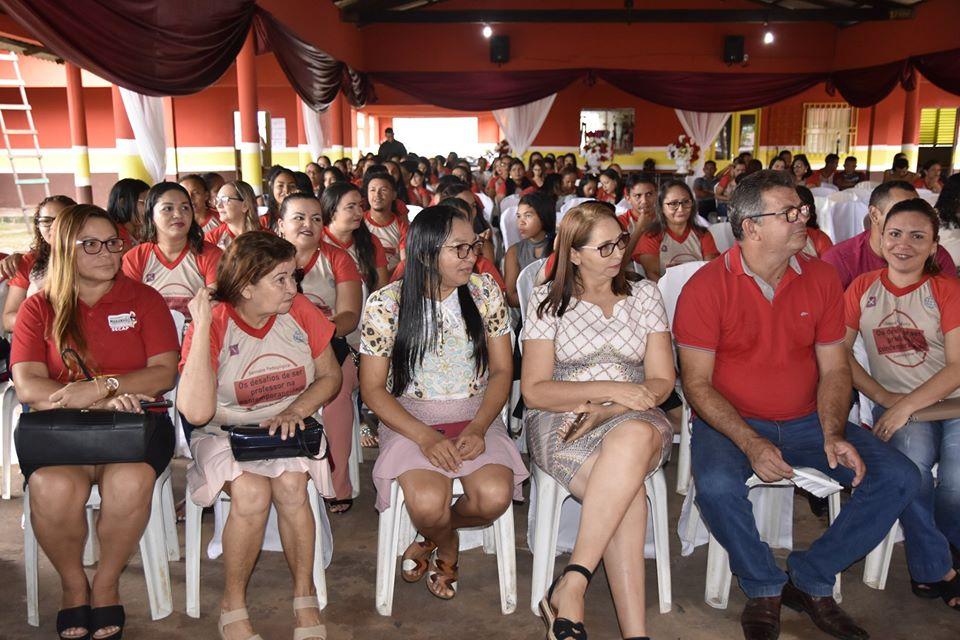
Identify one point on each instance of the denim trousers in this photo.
(931, 521)
(720, 472)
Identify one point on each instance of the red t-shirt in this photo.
(818, 243)
(482, 265)
(766, 364)
(178, 280)
(854, 256)
(128, 325)
(22, 277)
(210, 221)
(221, 236)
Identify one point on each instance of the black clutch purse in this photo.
(253, 442)
(83, 436)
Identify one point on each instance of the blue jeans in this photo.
(721, 469)
(931, 522)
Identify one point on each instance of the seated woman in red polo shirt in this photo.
(675, 237)
(909, 318)
(31, 267)
(817, 241)
(123, 333)
(611, 187)
(259, 357)
(930, 177)
(329, 279)
(173, 257)
(237, 208)
(205, 215)
(343, 227)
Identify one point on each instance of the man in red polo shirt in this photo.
(760, 332)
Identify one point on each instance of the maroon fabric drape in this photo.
(315, 75)
(869, 85)
(942, 69)
(479, 90)
(154, 47)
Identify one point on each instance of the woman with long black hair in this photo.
(125, 207)
(436, 369)
(342, 207)
(537, 222)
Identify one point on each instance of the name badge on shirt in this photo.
(122, 321)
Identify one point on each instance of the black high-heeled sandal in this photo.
(74, 618)
(103, 617)
(562, 628)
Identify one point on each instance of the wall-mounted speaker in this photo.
(500, 49)
(733, 52)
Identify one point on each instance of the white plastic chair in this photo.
(550, 497)
(487, 206)
(929, 196)
(508, 202)
(843, 219)
(396, 533)
(722, 234)
(670, 286)
(570, 204)
(320, 558)
(9, 407)
(717, 591)
(154, 549)
(526, 282)
(182, 449)
(508, 227)
(623, 206)
(356, 449)
(412, 211)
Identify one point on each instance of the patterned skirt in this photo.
(562, 461)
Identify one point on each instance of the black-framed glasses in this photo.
(673, 205)
(44, 221)
(607, 248)
(93, 246)
(225, 199)
(792, 214)
(464, 248)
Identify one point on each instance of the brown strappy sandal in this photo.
(416, 560)
(442, 581)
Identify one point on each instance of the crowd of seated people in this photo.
(331, 278)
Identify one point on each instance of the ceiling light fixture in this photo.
(767, 35)
(487, 31)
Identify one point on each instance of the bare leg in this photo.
(487, 494)
(242, 539)
(125, 492)
(58, 496)
(427, 495)
(623, 563)
(608, 485)
(297, 533)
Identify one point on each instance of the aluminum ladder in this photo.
(35, 174)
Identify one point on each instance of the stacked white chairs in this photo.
(156, 549)
(508, 227)
(553, 517)
(722, 234)
(397, 532)
(670, 286)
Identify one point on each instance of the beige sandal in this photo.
(318, 631)
(229, 617)
(416, 560)
(442, 581)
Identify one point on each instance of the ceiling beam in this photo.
(495, 16)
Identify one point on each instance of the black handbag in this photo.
(253, 442)
(83, 436)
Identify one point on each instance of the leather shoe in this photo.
(761, 619)
(825, 613)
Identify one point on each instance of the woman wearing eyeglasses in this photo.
(597, 361)
(173, 257)
(675, 236)
(122, 331)
(31, 267)
(237, 208)
(436, 369)
(329, 279)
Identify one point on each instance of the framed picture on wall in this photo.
(618, 123)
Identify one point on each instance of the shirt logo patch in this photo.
(929, 302)
(871, 301)
(299, 336)
(804, 314)
(149, 277)
(663, 248)
(234, 349)
(122, 321)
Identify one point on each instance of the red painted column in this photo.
(250, 165)
(303, 149)
(911, 124)
(334, 117)
(77, 113)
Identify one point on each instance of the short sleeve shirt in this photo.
(379, 255)
(128, 325)
(672, 249)
(765, 362)
(854, 256)
(705, 184)
(391, 235)
(903, 329)
(212, 221)
(177, 281)
(260, 372)
(24, 278)
(328, 267)
(221, 236)
(818, 243)
(449, 371)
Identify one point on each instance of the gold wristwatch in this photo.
(112, 385)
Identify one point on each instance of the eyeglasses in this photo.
(44, 222)
(607, 248)
(93, 246)
(463, 249)
(225, 199)
(792, 214)
(686, 203)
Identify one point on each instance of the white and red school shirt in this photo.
(691, 246)
(379, 254)
(178, 280)
(221, 236)
(24, 278)
(211, 222)
(392, 236)
(817, 243)
(903, 329)
(261, 371)
(328, 267)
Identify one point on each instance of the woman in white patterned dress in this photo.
(597, 344)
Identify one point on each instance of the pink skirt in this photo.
(213, 465)
(399, 454)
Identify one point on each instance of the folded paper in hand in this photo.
(815, 482)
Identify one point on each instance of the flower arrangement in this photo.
(596, 147)
(684, 150)
(502, 148)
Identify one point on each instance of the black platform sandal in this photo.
(103, 617)
(561, 628)
(74, 618)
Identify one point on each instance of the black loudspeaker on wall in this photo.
(733, 50)
(500, 49)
